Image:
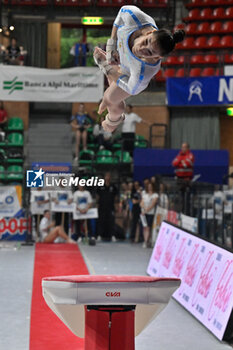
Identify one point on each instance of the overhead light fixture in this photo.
(96, 21)
(11, 28)
(230, 111)
(0, 29)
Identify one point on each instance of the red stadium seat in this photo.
(171, 61)
(228, 58)
(149, 3)
(195, 3)
(169, 72)
(103, 3)
(195, 72)
(118, 3)
(229, 12)
(208, 72)
(219, 13)
(159, 76)
(206, 14)
(191, 28)
(203, 28)
(223, 2)
(193, 15)
(227, 27)
(213, 42)
(197, 59)
(226, 41)
(200, 43)
(179, 26)
(180, 73)
(216, 27)
(187, 44)
(181, 59)
(211, 59)
(208, 2)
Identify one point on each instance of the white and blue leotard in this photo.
(136, 74)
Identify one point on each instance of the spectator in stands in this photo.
(155, 183)
(102, 137)
(49, 231)
(163, 198)
(83, 201)
(124, 205)
(79, 51)
(148, 204)
(59, 196)
(183, 163)
(129, 128)
(39, 198)
(106, 197)
(13, 52)
(2, 55)
(136, 211)
(3, 117)
(80, 122)
(146, 182)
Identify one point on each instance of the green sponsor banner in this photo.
(77, 84)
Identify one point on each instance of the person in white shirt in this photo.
(129, 128)
(49, 232)
(39, 201)
(83, 201)
(137, 46)
(60, 196)
(148, 203)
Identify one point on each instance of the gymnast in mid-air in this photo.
(133, 56)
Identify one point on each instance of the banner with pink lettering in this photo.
(206, 272)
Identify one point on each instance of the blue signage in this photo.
(200, 91)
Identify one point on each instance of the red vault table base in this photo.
(109, 310)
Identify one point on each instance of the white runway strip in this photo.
(16, 273)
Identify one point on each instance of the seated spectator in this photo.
(102, 137)
(13, 52)
(129, 128)
(49, 232)
(148, 203)
(80, 122)
(83, 201)
(183, 163)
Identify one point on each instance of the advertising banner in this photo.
(62, 207)
(14, 229)
(91, 214)
(196, 91)
(10, 201)
(206, 272)
(189, 223)
(18, 83)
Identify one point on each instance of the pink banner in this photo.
(206, 272)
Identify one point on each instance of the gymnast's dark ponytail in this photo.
(167, 41)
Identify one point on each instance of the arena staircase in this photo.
(49, 136)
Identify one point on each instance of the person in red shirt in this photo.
(183, 163)
(3, 116)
